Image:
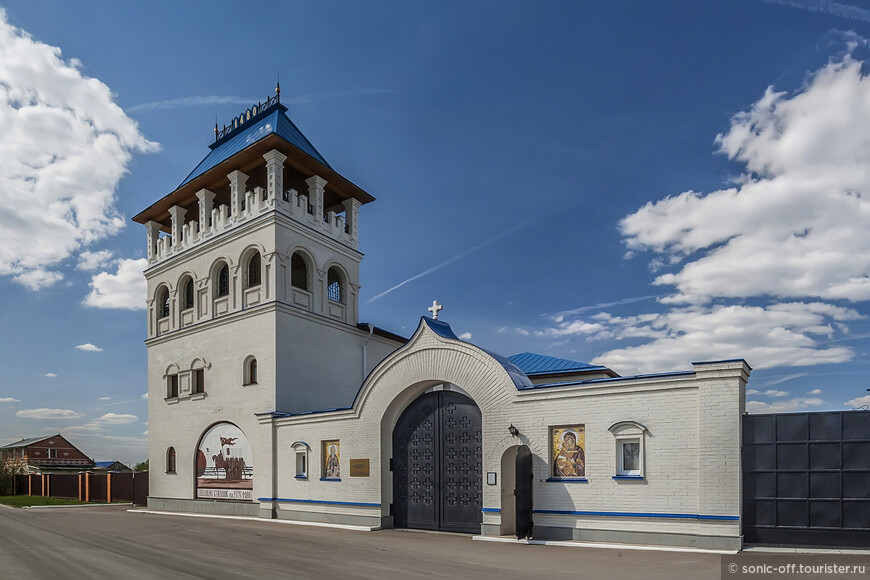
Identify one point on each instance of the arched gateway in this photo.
(437, 464)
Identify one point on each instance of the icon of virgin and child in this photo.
(569, 459)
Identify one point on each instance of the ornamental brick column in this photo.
(274, 174)
(177, 214)
(316, 184)
(237, 191)
(351, 216)
(206, 204)
(152, 230)
(108, 488)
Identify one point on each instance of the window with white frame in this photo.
(628, 457)
(629, 439)
(301, 448)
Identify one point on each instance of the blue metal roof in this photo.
(539, 364)
(516, 374)
(272, 120)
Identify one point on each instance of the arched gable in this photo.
(430, 357)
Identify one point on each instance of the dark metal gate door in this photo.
(437, 462)
(523, 492)
(806, 479)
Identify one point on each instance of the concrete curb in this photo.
(255, 519)
(87, 505)
(775, 550)
(579, 544)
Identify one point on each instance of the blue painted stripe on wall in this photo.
(319, 501)
(496, 510)
(635, 515)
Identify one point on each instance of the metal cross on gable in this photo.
(435, 309)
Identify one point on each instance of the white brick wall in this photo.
(692, 448)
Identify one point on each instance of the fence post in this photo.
(46, 490)
(29, 484)
(80, 486)
(88, 486)
(43, 485)
(108, 488)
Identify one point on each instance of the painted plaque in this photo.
(331, 463)
(224, 464)
(569, 451)
(359, 467)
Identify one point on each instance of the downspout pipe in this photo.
(365, 355)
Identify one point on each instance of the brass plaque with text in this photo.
(359, 467)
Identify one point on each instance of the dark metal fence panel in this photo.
(99, 487)
(806, 479)
(64, 485)
(140, 488)
(21, 484)
(122, 486)
(35, 484)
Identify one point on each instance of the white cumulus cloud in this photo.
(784, 406)
(779, 335)
(125, 289)
(797, 217)
(43, 413)
(90, 261)
(88, 347)
(858, 401)
(64, 147)
(8, 400)
(50, 375)
(465, 336)
(116, 419)
(760, 269)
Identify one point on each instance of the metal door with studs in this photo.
(437, 462)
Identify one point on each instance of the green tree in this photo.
(143, 466)
(6, 479)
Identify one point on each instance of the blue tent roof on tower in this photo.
(271, 120)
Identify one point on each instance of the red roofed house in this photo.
(53, 454)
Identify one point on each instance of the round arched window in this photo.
(333, 288)
(298, 272)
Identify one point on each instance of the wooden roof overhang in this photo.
(244, 161)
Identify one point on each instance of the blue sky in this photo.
(636, 184)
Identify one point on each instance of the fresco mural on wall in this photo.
(569, 451)
(224, 464)
(331, 463)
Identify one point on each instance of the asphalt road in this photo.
(110, 542)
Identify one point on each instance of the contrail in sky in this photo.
(840, 9)
(458, 256)
(229, 100)
(190, 102)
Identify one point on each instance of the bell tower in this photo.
(253, 288)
